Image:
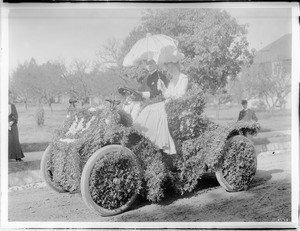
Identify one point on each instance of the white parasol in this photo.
(161, 48)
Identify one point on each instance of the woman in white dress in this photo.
(152, 121)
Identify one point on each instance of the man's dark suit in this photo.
(247, 115)
(151, 83)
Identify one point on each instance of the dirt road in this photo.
(267, 200)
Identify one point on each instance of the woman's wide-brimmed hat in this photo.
(173, 57)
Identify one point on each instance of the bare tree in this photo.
(270, 81)
(110, 54)
(39, 82)
(111, 57)
(79, 82)
(19, 87)
(51, 83)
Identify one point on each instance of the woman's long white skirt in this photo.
(153, 123)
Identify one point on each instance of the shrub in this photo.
(40, 116)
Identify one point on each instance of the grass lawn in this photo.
(29, 132)
(278, 121)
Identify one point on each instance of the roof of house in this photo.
(280, 49)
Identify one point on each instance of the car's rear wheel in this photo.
(47, 171)
(239, 164)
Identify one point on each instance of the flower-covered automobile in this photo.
(98, 153)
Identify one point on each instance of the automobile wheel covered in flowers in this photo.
(111, 180)
(239, 164)
(47, 172)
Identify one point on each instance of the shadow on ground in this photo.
(23, 166)
(263, 176)
(206, 184)
(265, 201)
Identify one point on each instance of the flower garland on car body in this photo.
(67, 160)
(201, 146)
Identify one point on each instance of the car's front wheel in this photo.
(111, 180)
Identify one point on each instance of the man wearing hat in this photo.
(247, 114)
(152, 79)
(72, 106)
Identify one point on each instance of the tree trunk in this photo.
(276, 103)
(267, 101)
(40, 105)
(218, 112)
(50, 105)
(40, 114)
(26, 105)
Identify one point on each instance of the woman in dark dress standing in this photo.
(14, 147)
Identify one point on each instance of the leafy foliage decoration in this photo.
(70, 151)
(202, 147)
(239, 163)
(208, 152)
(68, 159)
(114, 180)
(185, 117)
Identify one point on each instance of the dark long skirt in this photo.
(14, 147)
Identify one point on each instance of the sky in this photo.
(65, 33)
(264, 25)
(70, 32)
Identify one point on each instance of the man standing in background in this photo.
(247, 114)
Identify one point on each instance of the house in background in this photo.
(280, 49)
(275, 62)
